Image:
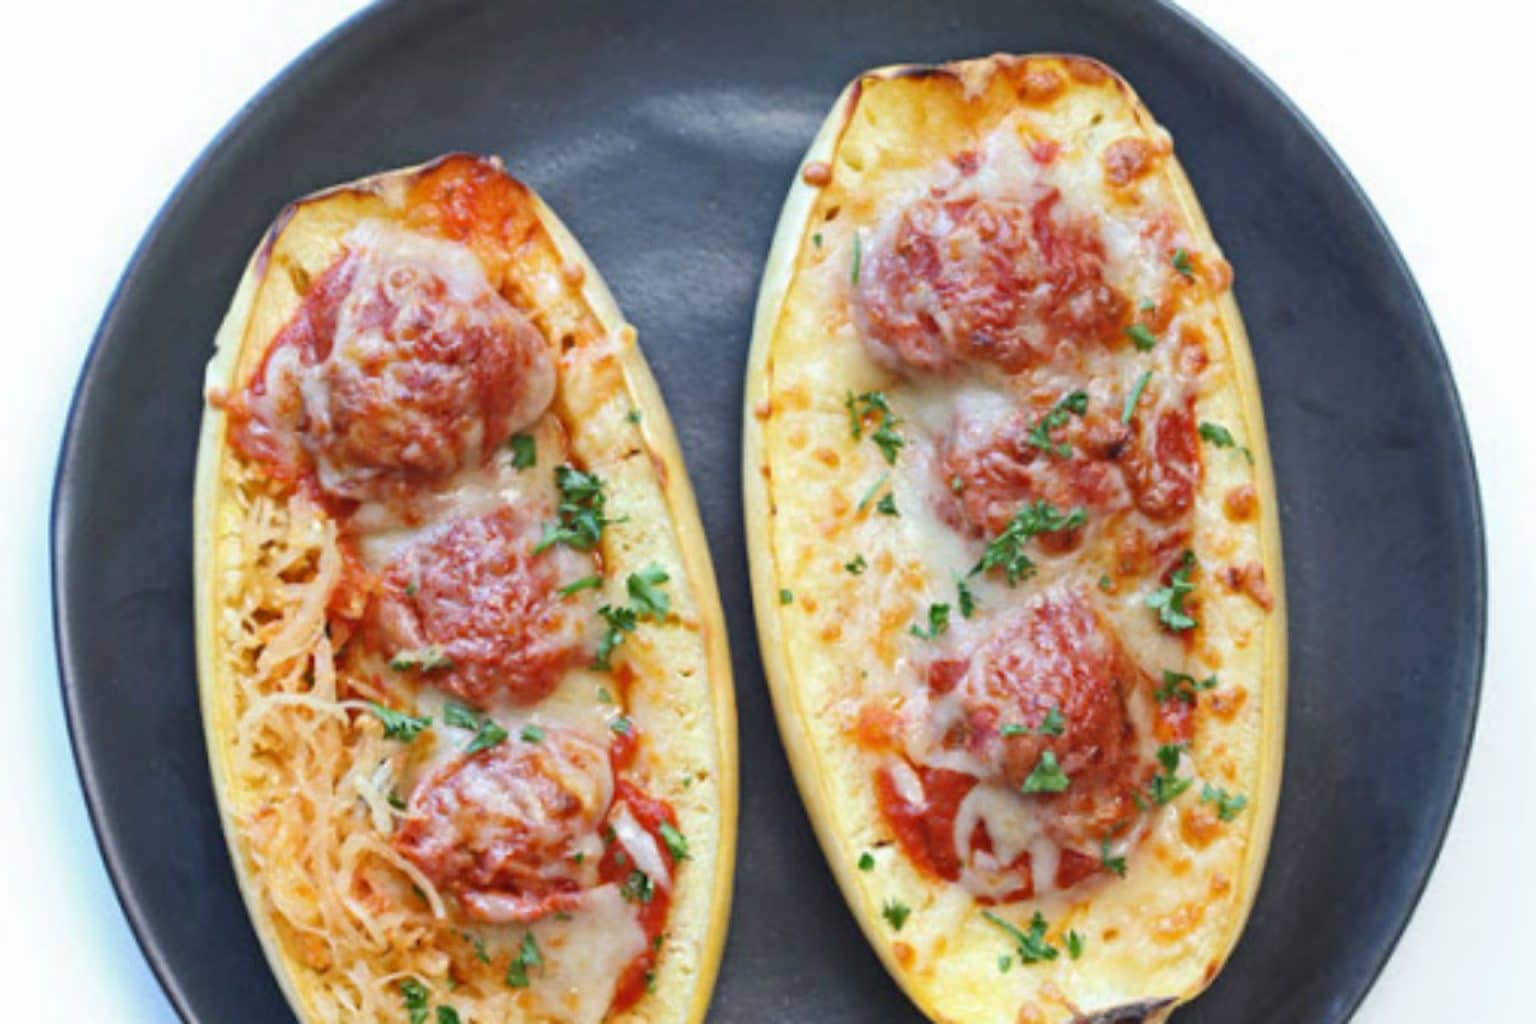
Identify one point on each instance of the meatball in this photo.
(954, 280)
(401, 367)
(512, 831)
(474, 595)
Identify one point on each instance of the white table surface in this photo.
(108, 103)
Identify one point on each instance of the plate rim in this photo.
(375, 17)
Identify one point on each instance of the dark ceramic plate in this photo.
(666, 137)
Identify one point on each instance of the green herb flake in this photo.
(895, 912)
(1217, 434)
(1166, 784)
(397, 724)
(604, 696)
(855, 565)
(1006, 550)
(853, 273)
(938, 623)
(577, 586)
(1053, 724)
(646, 596)
(481, 953)
(528, 956)
(873, 490)
(447, 1015)
(1039, 435)
(416, 996)
(1074, 945)
(1141, 337)
(1228, 806)
(633, 416)
(1182, 264)
(1134, 397)
(816, 239)
(1181, 686)
(1169, 601)
(1047, 776)
(677, 843)
(638, 887)
(786, 596)
(886, 506)
(487, 733)
(395, 800)
(532, 734)
(581, 515)
(1032, 946)
(1106, 584)
(424, 659)
(620, 621)
(621, 725)
(866, 861)
(525, 453)
(1114, 865)
(885, 436)
(1005, 963)
(967, 599)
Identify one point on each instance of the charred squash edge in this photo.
(778, 276)
(656, 427)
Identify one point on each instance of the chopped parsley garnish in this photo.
(856, 565)
(1052, 724)
(646, 597)
(1005, 963)
(677, 843)
(1047, 776)
(870, 403)
(577, 586)
(853, 274)
(1134, 397)
(938, 623)
(1142, 337)
(448, 1015)
(650, 980)
(633, 416)
(1181, 686)
(395, 800)
(1106, 584)
(1166, 784)
(866, 861)
(397, 724)
(1228, 806)
(525, 453)
(786, 596)
(1169, 601)
(426, 659)
(886, 506)
(1012, 729)
(532, 734)
(487, 733)
(967, 599)
(603, 696)
(816, 239)
(1006, 550)
(1221, 437)
(1074, 945)
(416, 996)
(1217, 434)
(478, 943)
(581, 514)
(528, 955)
(621, 725)
(638, 887)
(1114, 865)
(896, 912)
(874, 489)
(647, 601)
(1032, 947)
(1040, 434)
(411, 588)
(1182, 265)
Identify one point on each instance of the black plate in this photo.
(666, 137)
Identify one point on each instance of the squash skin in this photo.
(238, 346)
(819, 792)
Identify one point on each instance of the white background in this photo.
(106, 104)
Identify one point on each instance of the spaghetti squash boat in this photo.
(463, 669)
(1014, 543)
